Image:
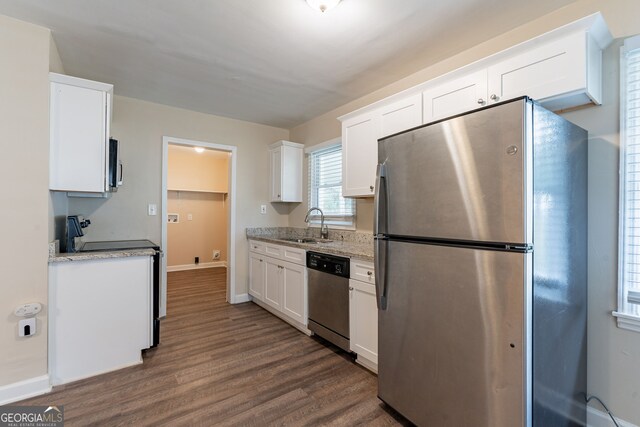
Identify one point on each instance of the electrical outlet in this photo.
(216, 254)
(152, 209)
(189, 217)
(27, 327)
(263, 209)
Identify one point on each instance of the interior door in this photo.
(452, 347)
(463, 178)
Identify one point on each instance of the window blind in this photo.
(325, 188)
(629, 271)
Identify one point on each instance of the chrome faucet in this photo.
(324, 230)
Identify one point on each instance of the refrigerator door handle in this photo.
(380, 201)
(380, 260)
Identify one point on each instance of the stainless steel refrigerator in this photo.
(480, 224)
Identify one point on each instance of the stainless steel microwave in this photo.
(115, 173)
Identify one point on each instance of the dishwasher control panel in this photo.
(330, 264)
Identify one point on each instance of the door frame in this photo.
(231, 223)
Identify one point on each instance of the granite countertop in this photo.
(343, 243)
(86, 256)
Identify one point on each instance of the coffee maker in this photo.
(75, 224)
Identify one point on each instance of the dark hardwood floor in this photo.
(222, 364)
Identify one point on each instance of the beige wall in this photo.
(24, 166)
(614, 354)
(189, 170)
(204, 233)
(207, 229)
(140, 126)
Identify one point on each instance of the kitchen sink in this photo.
(307, 240)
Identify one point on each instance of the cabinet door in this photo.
(401, 115)
(257, 271)
(550, 70)
(295, 292)
(363, 320)
(276, 174)
(273, 283)
(456, 96)
(360, 155)
(291, 174)
(78, 120)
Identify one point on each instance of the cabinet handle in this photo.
(350, 288)
(278, 196)
(494, 97)
(481, 101)
(369, 273)
(371, 187)
(260, 260)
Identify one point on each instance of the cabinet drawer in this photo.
(273, 250)
(294, 255)
(362, 270)
(257, 247)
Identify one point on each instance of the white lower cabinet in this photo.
(99, 316)
(257, 273)
(294, 291)
(277, 285)
(363, 316)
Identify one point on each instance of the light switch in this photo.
(153, 209)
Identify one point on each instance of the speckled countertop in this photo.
(55, 256)
(350, 244)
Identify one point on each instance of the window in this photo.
(325, 188)
(628, 313)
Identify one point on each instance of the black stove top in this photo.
(118, 245)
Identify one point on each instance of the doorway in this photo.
(219, 197)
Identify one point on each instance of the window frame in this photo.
(332, 221)
(625, 319)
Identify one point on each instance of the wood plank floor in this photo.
(222, 364)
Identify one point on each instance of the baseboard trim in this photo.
(24, 389)
(239, 299)
(598, 418)
(185, 267)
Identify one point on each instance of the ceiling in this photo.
(276, 62)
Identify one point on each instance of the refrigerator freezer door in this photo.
(452, 341)
(464, 178)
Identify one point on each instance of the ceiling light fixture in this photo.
(323, 5)
(199, 149)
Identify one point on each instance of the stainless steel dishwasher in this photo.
(328, 282)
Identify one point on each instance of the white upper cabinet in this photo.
(455, 96)
(285, 161)
(555, 74)
(360, 136)
(400, 115)
(80, 117)
(359, 155)
(559, 69)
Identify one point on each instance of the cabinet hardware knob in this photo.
(494, 97)
(278, 196)
(369, 273)
(350, 288)
(371, 187)
(481, 101)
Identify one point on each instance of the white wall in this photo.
(140, 126)
(24, 171)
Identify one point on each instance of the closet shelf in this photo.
(196, 191)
